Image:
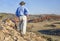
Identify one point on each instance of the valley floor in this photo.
(47, 29)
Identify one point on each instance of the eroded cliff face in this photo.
(8, 33)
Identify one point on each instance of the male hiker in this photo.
(22, 13)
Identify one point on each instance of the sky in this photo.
(34, 6)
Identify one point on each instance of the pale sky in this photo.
(34, 6)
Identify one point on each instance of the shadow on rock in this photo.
(51, 32)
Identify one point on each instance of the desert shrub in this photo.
(51, 25)
(1, 17)
(56, 40)
(49, 39)
(30, 28)
(1, 28)
(56, 23)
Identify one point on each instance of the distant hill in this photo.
(32, 18)
(6, 15)
(44, 17)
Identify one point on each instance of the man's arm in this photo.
(17, 13)
(26, 12)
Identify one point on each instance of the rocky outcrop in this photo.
(8, 33)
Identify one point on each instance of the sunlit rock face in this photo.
(8, 33)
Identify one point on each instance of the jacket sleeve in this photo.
(26, 11)
(17, 13)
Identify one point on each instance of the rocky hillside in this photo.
(8, 32)
(41, 18)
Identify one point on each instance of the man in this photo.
(22, 13)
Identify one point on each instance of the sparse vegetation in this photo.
(41, 23)
(51, 25)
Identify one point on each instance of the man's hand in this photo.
(28, 17)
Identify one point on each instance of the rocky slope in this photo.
(9, 33)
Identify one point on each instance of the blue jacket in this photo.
(21, 11)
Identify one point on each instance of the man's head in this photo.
(22, 3)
